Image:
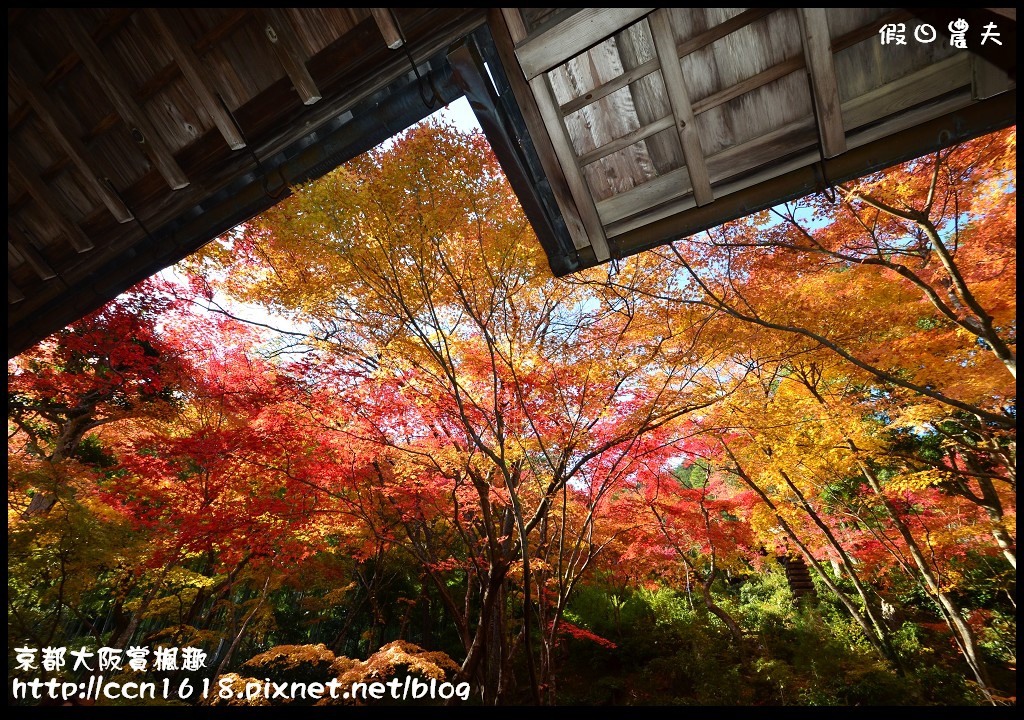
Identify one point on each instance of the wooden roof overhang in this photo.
(135, 136)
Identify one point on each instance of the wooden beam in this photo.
(388, 28)
(146, 135)
(45, 198)
(679, 99)
(566, 155)
(719, 31)
(14, 295)
(170, 29)
(18, 243)
(606, 89)
(626, 140)
(582, 30)
(987, 79)
(899, 95)
(764, 77)
(507, 28)
(730, 162)
(775, 72)
(280, 33)
(822, 70)
(56, 120)
(950, 103)
(558, 158)
(684, 48)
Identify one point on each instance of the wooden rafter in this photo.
(569, 38)
(567, 159)
(113, 87)
(509, 30)
(679, 99)
(42, 194)
(625, 141)
(770, 75)
(722, 29)
(899, 95)
(59, 125)
(821, 68)
(19, 245)
(388, 28)
(684, 48)
(170, 30)
(282, 38)
(892, 99)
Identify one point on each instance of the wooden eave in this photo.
(135, 136)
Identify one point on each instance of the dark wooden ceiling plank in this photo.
(125, 106)
(580, 31)
(115, 18)
(56, 119)
(822, 71)
(675, 84)
(388, 29)
(17, 117)
(277, 28)
(170, 30)
(235, 18)
(41, 193)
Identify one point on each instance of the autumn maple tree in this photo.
(469, 368)
(433, 440)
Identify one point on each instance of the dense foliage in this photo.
(772, 464)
